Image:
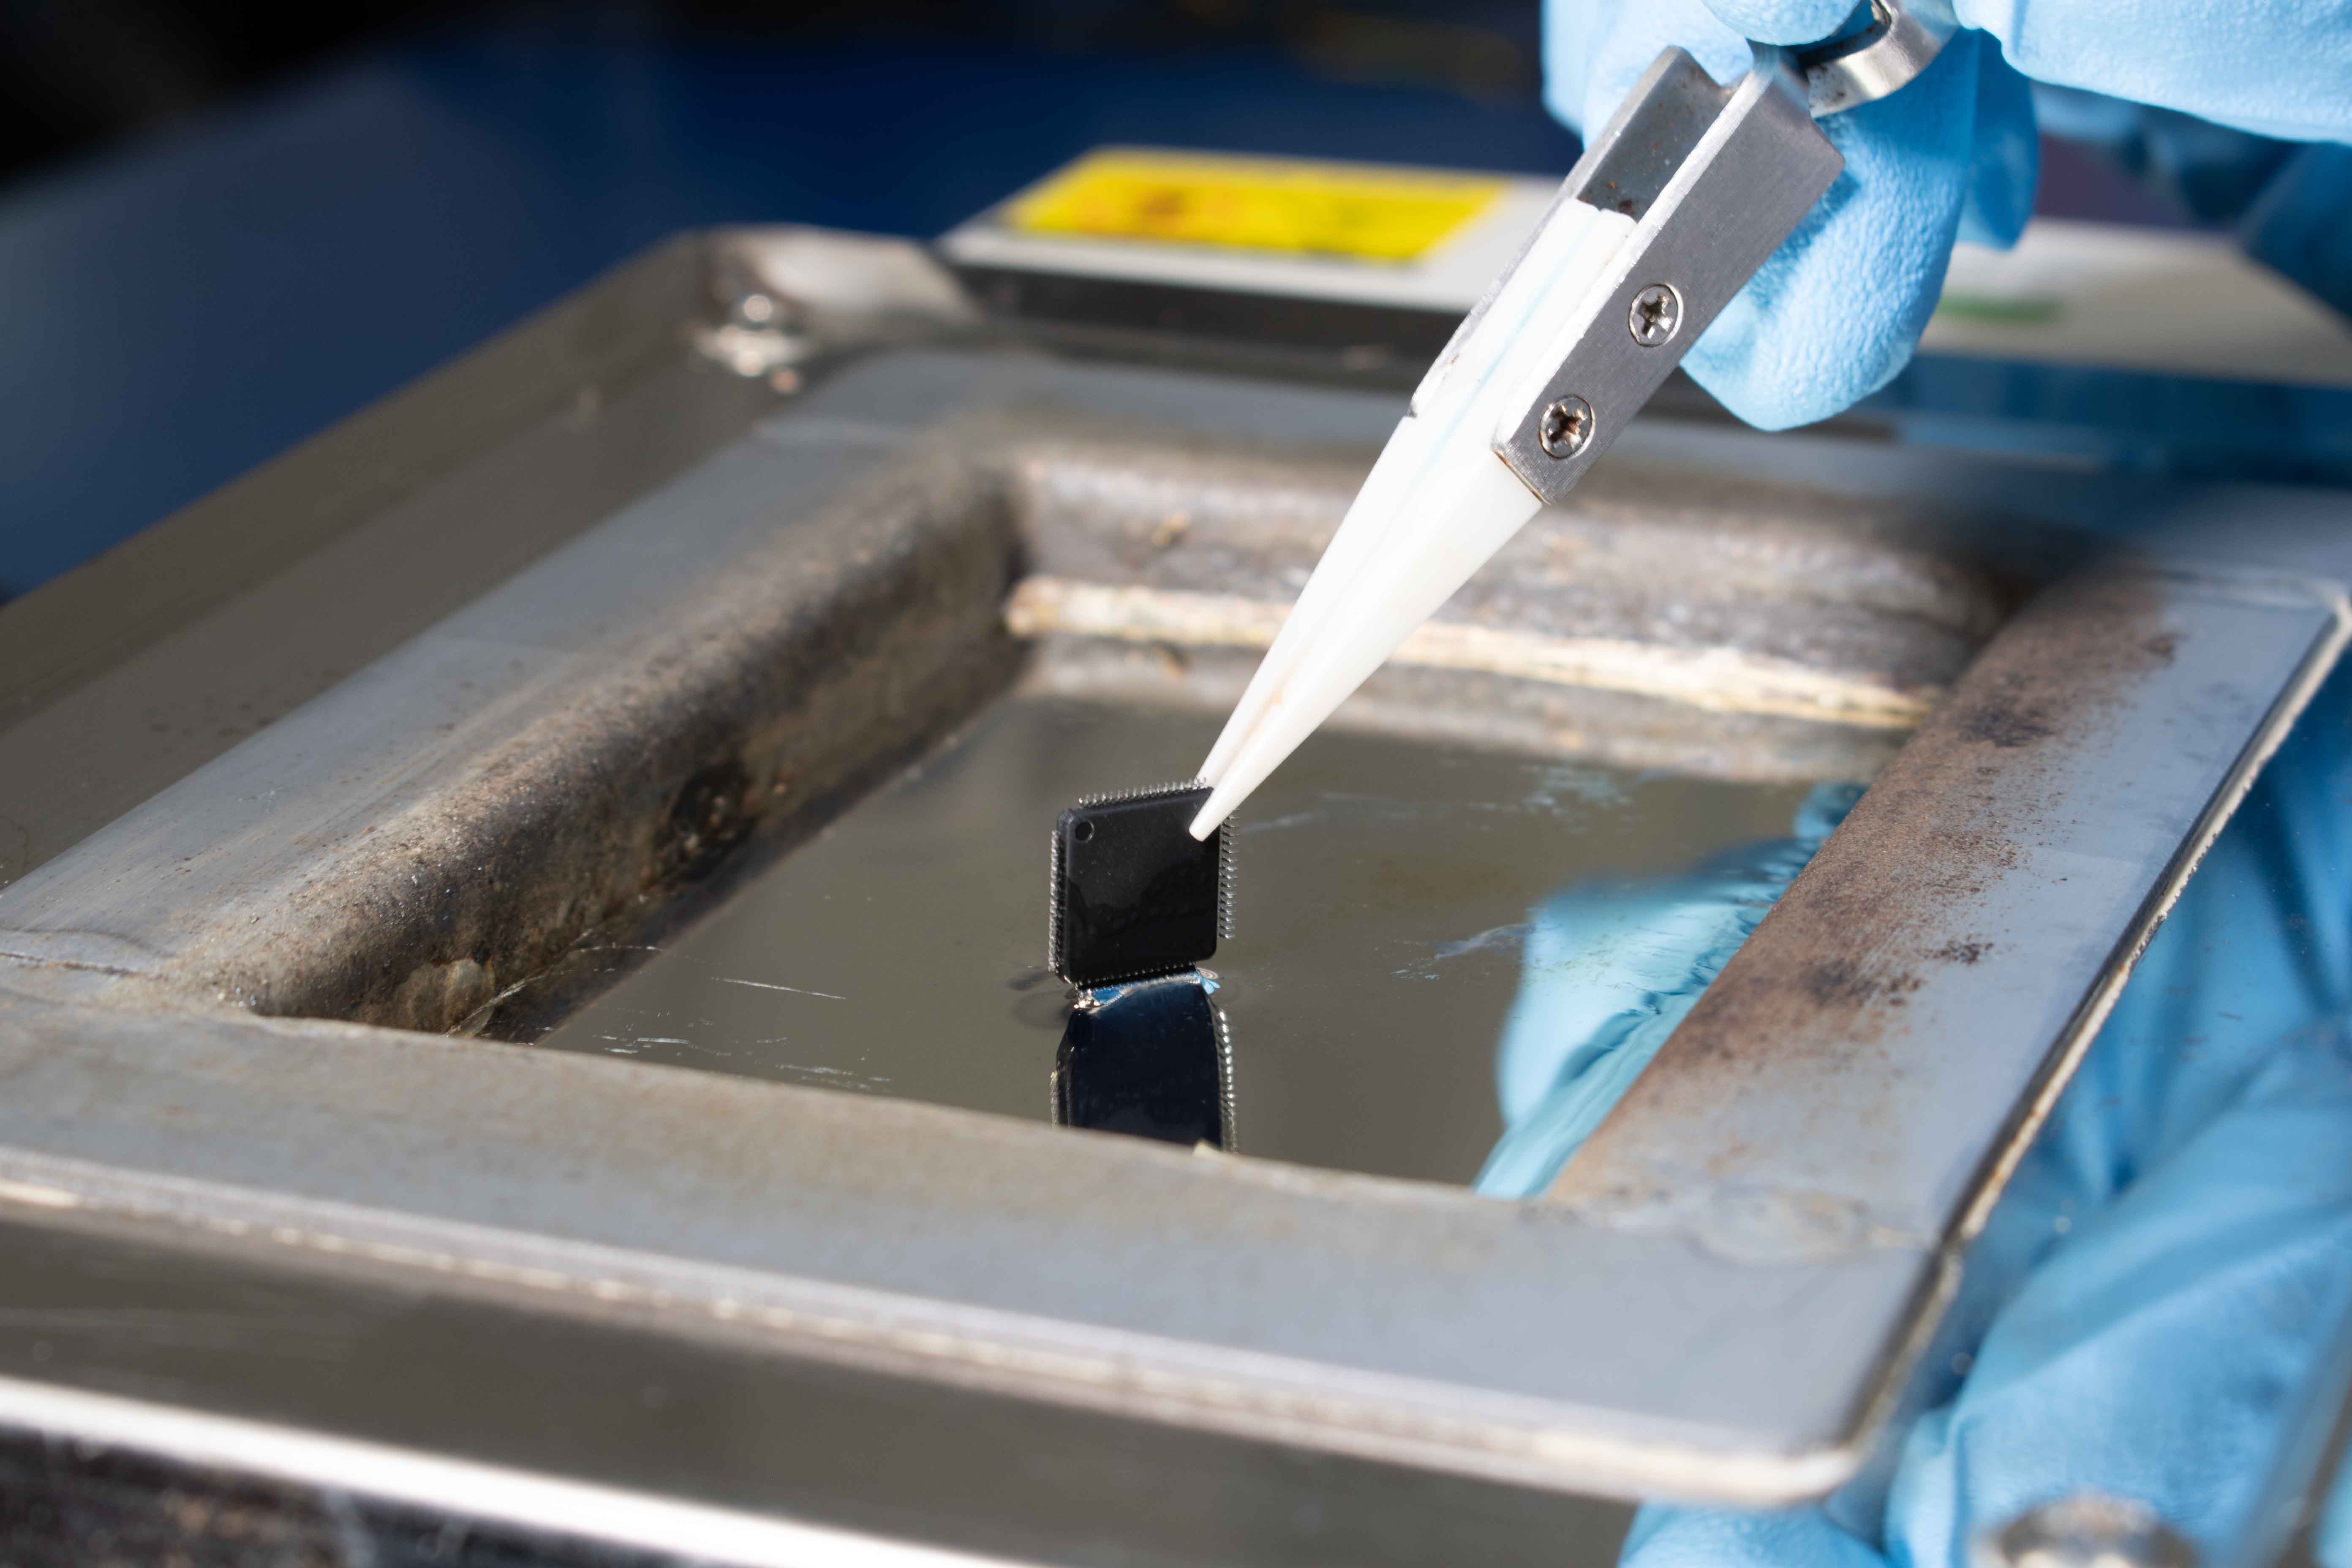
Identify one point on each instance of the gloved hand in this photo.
(2291, 203)
(1836, 313)
(2171, 1263)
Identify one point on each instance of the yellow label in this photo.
(1250, 203)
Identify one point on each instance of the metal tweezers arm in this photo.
(1715, 180)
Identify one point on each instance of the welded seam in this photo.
(50, 961)
(1720, 679)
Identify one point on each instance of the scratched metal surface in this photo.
(827, 1447)
(1383, 888)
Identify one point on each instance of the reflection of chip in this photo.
(1135, 895)
(1152, 1060)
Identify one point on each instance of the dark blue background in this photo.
(179, 310)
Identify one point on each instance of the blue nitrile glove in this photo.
(1836, 313)
(2290, 203)
(2174, 1256)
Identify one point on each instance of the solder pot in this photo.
(650, 584)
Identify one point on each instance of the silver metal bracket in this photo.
(1715, 178)
(1900, 42)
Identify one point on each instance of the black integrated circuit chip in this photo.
(1136, 895)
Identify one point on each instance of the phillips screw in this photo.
(1657, 315)
(1567, 426)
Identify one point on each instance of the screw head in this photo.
(1566, 426)
(2087, 1529)
(1655, 315)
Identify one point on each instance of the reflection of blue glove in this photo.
(1610, 971)
(1836, 313)
(2173, 1257)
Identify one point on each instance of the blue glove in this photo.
(2173, 1258)
(1836, 312)
(2291, 205)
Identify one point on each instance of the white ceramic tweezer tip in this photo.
(1437, 505)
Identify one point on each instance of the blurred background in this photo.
(78, 75)
(225, 225)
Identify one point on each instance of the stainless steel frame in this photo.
(508, 1248)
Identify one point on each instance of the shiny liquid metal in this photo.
(1383, 888)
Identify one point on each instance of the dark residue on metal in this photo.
(1958, 807)
(1843, 983)
(769, 697)
(2008, 716)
